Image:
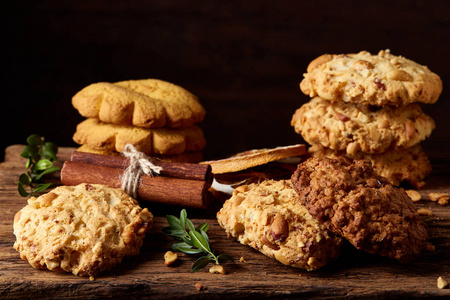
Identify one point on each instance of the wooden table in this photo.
(353, 275)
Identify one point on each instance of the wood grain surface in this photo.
(354, 275)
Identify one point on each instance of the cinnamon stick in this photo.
(169, 169)
(158, 189)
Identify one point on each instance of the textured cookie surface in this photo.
(411, 164)
(382, 79)
(357, 127)
(269, 218)
(108, 137)
(149, 103)
(355, 203)
(84, 229)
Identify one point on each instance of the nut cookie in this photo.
(382, 79)
(268, 217)
(357, 127)
(84, 229)
(410, 165)
(148, 103)
(166, 141)
(352, 201)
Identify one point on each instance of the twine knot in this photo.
(139, 164)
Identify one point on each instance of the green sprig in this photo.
(40, 156)
(192, 240)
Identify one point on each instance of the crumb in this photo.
(440, 198)
(199, 286)
(430, 248)
(170, 258)
(242, 259)
(299, 275)
(217, 269)
(441, 283)
(424, 212)
(414, 195)
(91, 278)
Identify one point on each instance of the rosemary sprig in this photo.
(192, 240)
(40, 156)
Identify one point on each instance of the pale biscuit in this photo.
(382, 79)
(166, 141)
(357, 127)
(409, 165)
(269, 217)
(148, 103)
(84, 229)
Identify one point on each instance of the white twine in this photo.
(139, 164)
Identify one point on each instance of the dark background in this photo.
(243, 59)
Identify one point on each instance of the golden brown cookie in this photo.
(357, 127)
(148, 103)
(410, 165)
(167, 141)
(382, 79)
(84, 229)
(351, 200)
(269, 217)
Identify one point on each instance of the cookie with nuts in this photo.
(351, 200)
(166, 141)
(84, 229)
(409, 165)
(269, 217)
(382, 79)
(353, 128)
(148, 103)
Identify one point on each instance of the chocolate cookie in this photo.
(355, 203)
(268, 217)
(357, 127)
(382, 79)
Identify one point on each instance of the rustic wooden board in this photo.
(354, 275)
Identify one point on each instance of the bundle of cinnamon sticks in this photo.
(179, 184)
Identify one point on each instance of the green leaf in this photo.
(190, 250)
(223, 257)
(190, 225)
(41, 187)
(183, 217)
(51, 147)
(30, 151)
(22, 191)
(200, 263)
(41, 164)
(174, 222)
(205, 236)
(199, 241)
(47, 171)
(203, 226)
(25, 179)
(35, 140)
(50, 155)
(28, 163)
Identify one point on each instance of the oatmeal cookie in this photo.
(166, 141)
(148, 103)
(361, 206)
(410, 165)
(84, 229)
(357, 127)
(382, 79)
(269, 218)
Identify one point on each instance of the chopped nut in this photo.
(323, 59)
(170, 258)
(441, 283)
(441, 198)
(399, 75)
(280, 228)
(424, 212)
(199, 286)
(242, 259)
(47, 199)
(361, 65)
(217, 269)
(414, 195)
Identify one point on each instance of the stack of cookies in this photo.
(365, 106)
(157, 117)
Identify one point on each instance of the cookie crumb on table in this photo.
(199, 286)
(414, 195)
(424, 212)
(217, 269)
(441, 283)
(440, 198)
(170, 257)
